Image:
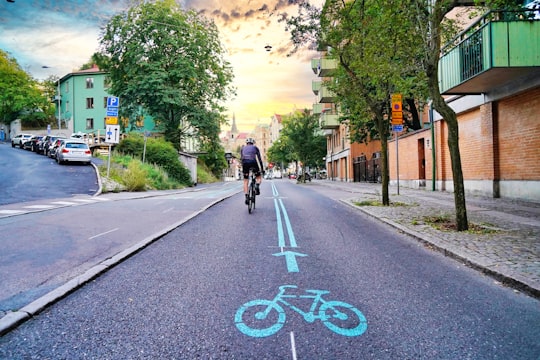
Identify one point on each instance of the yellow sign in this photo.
(397, 110)
(111, 120)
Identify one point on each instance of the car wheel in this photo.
(12, 144)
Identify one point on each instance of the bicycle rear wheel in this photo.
(251, 198)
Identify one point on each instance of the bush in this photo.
(159, 152)
(134, 178)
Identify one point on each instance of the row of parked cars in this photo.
(60, 148)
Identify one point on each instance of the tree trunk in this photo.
(382, 125)
(449, 115)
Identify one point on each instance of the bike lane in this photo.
(256, 318)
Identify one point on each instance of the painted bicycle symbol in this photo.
(262, 318)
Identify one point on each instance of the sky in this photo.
(62, 35)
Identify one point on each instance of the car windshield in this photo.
(76, 146)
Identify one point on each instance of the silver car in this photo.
(73, 151)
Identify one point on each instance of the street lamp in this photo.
(57, 99)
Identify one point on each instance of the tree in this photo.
(280, 152)
(170, 62)
(302, 133)
(432, 16)
(20, 95)
(372, 46)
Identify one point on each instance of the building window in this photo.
(106, 82)
(89, 83)
(89, 103)
(105, 102)
(89, 124)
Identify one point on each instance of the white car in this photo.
(277, 174)
(20, 139)
(73, 151)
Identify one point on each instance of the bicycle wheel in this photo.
(342, 318)
(259, 318)
(253, 192)
(251, 198)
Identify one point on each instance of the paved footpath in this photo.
(508, 247)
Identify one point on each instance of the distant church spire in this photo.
(234, 129)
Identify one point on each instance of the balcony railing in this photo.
(323, 67)
(329, 121)
(316, 86)
(498, 48)
(326, 95)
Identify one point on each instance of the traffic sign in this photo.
(112, 134)
(111, 120)
(113, 101)
(397, 128)
(112, 111)
(397, 100)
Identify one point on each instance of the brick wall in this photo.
(498, 141)
(519, 136)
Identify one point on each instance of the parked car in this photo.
(292, 176)
(73, 151)
(19, 139)
(277, 174)
(49, 143)
(31, 144)
(53, 148)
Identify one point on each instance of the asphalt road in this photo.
(192, 294)
(27, 176)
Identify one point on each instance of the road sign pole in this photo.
(397, 160)
(109, 161)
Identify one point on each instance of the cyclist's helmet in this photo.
(250, 141)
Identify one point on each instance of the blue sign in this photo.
(112, 112)
(397, 128)
(113, 101)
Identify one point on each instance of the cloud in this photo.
(64, 34)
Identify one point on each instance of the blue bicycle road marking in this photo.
(262, 318)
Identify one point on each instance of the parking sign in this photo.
(113, 101)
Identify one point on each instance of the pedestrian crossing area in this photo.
(18, 209)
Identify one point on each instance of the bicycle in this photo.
(256, 318)
(251, 190)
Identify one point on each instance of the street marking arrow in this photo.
(290, 258)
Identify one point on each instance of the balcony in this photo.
(316, 86)
(329, 121)
(323, 67)
(326, 95)
(499, 48)
(317, 109)
(320, 108)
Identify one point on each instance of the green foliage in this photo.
(301, 137)
(213, 157)
(204, 175)
(134, 178)
(159, 152)
(20, 95)
(169, 61)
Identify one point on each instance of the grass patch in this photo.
(445, 223)
(377, 203)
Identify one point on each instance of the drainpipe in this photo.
(433, 157)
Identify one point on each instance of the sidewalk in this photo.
(507, 247)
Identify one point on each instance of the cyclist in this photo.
(251, 158)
